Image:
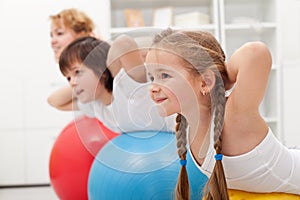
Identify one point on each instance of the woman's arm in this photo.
(63, 99)
(249, 68)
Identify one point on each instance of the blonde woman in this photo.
(68, 25)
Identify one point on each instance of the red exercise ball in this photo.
(73, 154)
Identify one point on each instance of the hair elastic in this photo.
(219, 156)
(183, 162)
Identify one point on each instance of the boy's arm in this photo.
(63, 99)
(125, 52)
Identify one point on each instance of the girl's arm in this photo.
(63, 99)
(249, 68)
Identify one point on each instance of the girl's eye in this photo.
(69, 79)
(165, 75)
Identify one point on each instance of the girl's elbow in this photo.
(261, 53)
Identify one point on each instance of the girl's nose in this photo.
(154, 88)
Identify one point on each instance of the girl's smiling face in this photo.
(173, 89)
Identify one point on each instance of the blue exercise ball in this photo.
(141, 165)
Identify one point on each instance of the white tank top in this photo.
(269, 167)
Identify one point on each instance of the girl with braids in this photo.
(190, 76)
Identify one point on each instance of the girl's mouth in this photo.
(159, 100)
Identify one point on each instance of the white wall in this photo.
(290, 25)
(28, 74)
(290, 21)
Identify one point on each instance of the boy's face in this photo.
(85, 84)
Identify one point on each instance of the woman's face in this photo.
(85, 84)
(173, 89)
(61, 36)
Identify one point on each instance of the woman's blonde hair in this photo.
(75, 20)
(200, 51)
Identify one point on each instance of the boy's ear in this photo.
(208, 80)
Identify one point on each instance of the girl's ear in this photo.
(208, 81)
